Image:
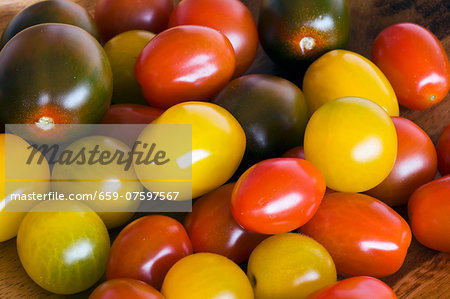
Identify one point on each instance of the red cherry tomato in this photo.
(443, 151)
(184, 63)
(363, 235)
(415, 63)
(146, 249)
(429, 214)
(125, 288)
(231, 17)
(296, 152)
(212, 228)
(415, 165)
(355, 288)
(131, 114)
(277, 195)
(117, 16)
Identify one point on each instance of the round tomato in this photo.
(206, 275)
(184, 63)
(429, 210)
(363, 235)
(443, 151)
(231, 17)
(415, 165)
(295, 152)
(125, 288)
(277, 195)
(289, 266)
(353, 143)
(217, 148)
(342, 73)
(123, 51)
(28, 178)
(147, 248)
(415, 63)
(64, 78)
(63, 246)
(131, 114)
(212, 228)
(117, 16)
(355, 288)
(51, 11)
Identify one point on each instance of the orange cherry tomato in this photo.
(125, 288)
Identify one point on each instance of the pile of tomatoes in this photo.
(293, 186)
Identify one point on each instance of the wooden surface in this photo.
(425, 273)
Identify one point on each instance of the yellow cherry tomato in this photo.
(123, 51)
(215, 149)
(22, 179)
(353, 142)
(288, 266)
(110, 183)
(342, 73)
(206, 276)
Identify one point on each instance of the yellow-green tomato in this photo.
(342, 73)
(214, 152)
(63, 246)
(22, 179)
(109, 183)
(353, 142)
(122, 51)
(289, 266)
(206, 276)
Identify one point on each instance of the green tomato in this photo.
(122, 51)
(63, 246)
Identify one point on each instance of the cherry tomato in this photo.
(31, 177)
(117, 16)
(146, 249)
(206, 275)
(363, 235)
(63, 246)
(131, 114)
(125, 288)
(355, 288)
(277, 195)
(231, 17)
(342, 73)
(123, 51)
(415, 63)
(353, 143)
(295, 152)
(443, 151)
(212, 228)
(415, 165)
(289, 266)
(429, 210)
(184, 63)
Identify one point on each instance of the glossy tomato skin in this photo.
(353, 142)
(415, 165)
(355, 288)
(415, 62)
(65, 78)
(125, 288)
(428, 209)
(281, 267)
(271, 110)
(52, 11)
(277, 195)
(232, 18)
(443, 151)
(63, 246)
(212, 228)
(206, 275)
(117, 16)
(342, 73)
(363, 235)
(146, 249)
(131, 114)
(294, 32)
(295, 152)
(184, 63)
